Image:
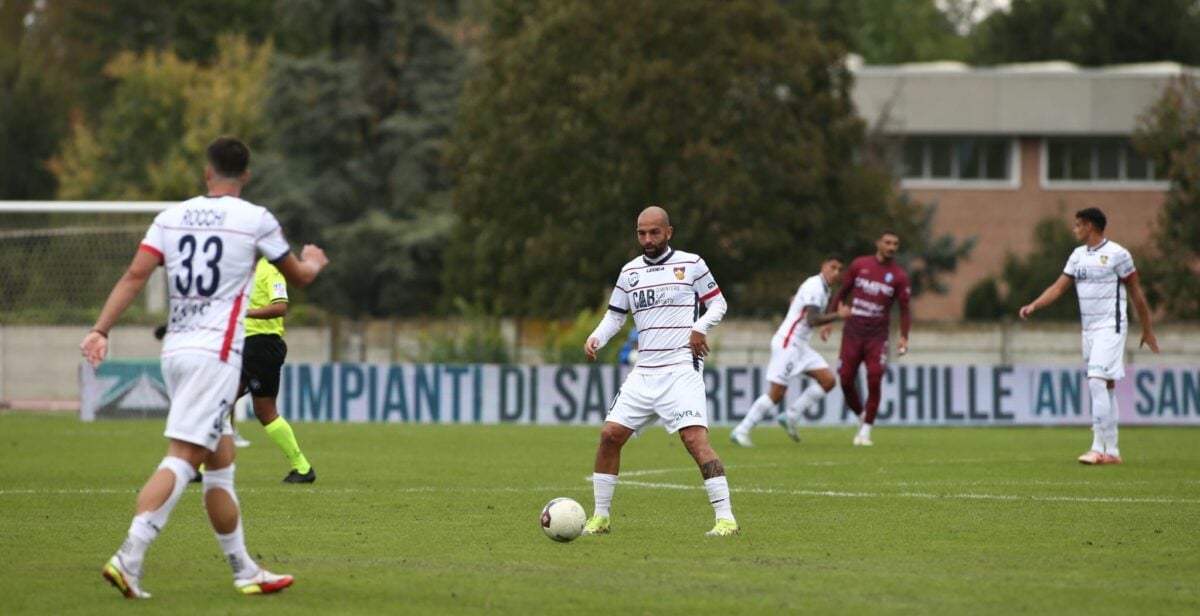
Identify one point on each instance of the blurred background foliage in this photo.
(494, 153)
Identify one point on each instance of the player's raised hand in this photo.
(94, 347)
(699, 344)
(589, 348)
(312, 253)
(1025, 311)
(1148, 339)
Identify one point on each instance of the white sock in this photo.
(1101, 411)
(718, 495)
(146, 525)
(810, 396)
(232, 544)
(234, 547)
(1110, 430)
(757, 411)
(603, 487)
(865, 430)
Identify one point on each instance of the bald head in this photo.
(654, 231)
(654, 215)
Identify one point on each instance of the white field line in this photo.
(968, 496)
(900, 484)
(924, 495)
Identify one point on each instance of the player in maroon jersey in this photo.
(873, 283)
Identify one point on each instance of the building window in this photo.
(1098, 160)
(953, 159)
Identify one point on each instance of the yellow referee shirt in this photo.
(270, 287)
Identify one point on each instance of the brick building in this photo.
(1001, 148)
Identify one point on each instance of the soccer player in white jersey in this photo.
(209, 245)
(664, 289)
(1105, 278)
(791, 356)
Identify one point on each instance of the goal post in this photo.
(60, 259)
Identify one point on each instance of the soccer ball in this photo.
(563, 519)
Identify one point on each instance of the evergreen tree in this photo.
(362, 98)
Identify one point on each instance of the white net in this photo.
(59, 260)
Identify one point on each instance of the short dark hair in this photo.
(228, 156)
(832, 257)
(1094, 216)
(888, 232)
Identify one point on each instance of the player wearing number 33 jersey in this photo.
(209, 246)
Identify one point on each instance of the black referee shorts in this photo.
(262, 361)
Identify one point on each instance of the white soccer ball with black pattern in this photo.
(563, 519)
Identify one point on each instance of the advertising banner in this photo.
(933, 395)
(121, 390)
(916, 395)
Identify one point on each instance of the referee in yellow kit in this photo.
(262, 361)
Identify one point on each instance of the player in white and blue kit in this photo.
(791, 356)
(663, 289)
(209, 246)
(1105, 279)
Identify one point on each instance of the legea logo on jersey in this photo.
(679, 273)
(633, 279)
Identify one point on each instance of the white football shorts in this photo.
(789, 363)
(1104, 353)
(202, 391)
(678, 398)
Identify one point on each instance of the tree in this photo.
(33, 109)
(733, 117)
(1142, 31)
(927, 256)
(890, 32)
(1169, 134)
(1090, 32)
(1031, 31)
(361, 99)
(150, 141)
(1026, 277)
(55, 61)
(83, 36)
(984, 302)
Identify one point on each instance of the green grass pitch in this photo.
(440, 519)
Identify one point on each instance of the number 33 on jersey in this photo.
(209, 246)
